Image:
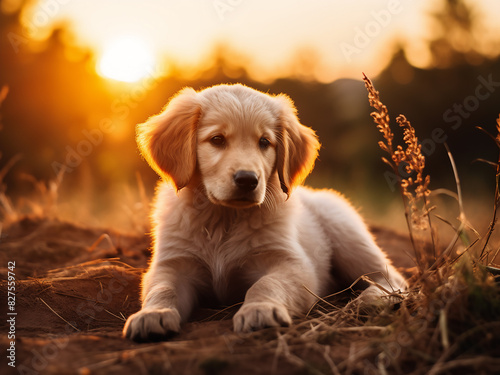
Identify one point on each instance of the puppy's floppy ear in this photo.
(297, 147)
(168, 140)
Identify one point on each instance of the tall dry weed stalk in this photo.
(408, 165)
(455, 303)
(485, 253)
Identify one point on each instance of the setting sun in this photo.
(127, 59)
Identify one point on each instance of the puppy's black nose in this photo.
(246, 180)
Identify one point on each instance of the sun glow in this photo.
(128, 59)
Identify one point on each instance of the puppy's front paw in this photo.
(152, 325)
(257, 315)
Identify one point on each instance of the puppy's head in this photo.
(233, 140)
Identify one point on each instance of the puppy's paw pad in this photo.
(258, 315)
(152, 325)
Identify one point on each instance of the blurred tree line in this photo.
(59, 112)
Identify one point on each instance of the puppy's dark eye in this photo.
(264, 143)
(218, 140)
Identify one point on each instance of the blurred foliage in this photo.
(58, 105)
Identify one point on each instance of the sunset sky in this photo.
(334, 38)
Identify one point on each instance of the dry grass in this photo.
(445, 324)
(47, 193)
(45, 200)
(448, 315)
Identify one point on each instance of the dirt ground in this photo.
(75, 286)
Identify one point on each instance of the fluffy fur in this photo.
(231, 222)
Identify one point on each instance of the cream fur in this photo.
(259, 245)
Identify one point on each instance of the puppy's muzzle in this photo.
(246, 181)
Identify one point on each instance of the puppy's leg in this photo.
(386, 282)
(365, 258)
(169, 293)
(274, 297)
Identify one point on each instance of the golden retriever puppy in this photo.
(231, 222)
